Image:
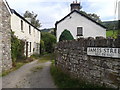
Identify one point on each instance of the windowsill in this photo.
(22, 31)
(79, 35)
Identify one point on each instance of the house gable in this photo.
(75, 11)
(7, 6)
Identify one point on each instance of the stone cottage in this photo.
(10, 20)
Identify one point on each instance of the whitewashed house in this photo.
(24, 30)
(79, 24)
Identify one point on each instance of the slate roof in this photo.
(81, 15)
(13, 11)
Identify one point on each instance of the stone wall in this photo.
(5, 37)
(71, 57)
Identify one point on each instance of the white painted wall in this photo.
(34, 37)
(90, 29)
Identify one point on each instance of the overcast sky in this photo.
(50, 11)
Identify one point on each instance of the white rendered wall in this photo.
(90, 29)
(34, 37)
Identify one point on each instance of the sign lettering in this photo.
(104, 52)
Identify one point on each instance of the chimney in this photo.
(75, 6)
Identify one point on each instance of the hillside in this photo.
(112, 33)
(111, 25)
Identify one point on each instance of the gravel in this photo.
(26, 77)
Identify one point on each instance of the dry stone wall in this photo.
(5, 37)
(72, 58)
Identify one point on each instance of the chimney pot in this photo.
(75, 6)
(76, 1)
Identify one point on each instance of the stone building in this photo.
(5, 36)
(10, 21)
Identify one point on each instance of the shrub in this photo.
(17, 48)
(42, 47)
(49, 41)
(66, 35)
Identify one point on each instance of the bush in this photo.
(49, 41)
(17, 48)
(66, 35)
(42, 47)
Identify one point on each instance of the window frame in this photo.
(30, 46)
(21, 25)
(79, 31)
(29, 29)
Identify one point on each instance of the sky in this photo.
(50, 11)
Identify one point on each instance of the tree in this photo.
(34, 21)
(95, 17)
(42, 47)
(49, 41)
(66, 35)
(92, 15)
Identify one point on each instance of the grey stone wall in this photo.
(5, 37)
(72, 58)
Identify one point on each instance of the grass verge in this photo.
(112, 33)
(37, 68)
(47, 57)
(18, 65)
(63, 80)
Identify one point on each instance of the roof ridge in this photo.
(82, 15)
(13, 11)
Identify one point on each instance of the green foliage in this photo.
(111, 25)
(49, 41)
(63, 80)
(66, 35)
(17, 48)
(18, 65)
(92, 16)
(112, 33)
(34, 21)
(42, 47)
(47, 57)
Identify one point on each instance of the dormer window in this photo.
(79, 31)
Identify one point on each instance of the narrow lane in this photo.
(31, 75)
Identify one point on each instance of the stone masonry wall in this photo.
(5, 37)
(71, 57)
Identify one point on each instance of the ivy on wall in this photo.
(17, 48)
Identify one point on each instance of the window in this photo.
(21, 25)
(30, 46)
(79, 31)
(29, 29)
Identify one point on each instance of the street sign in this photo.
(104, 52)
